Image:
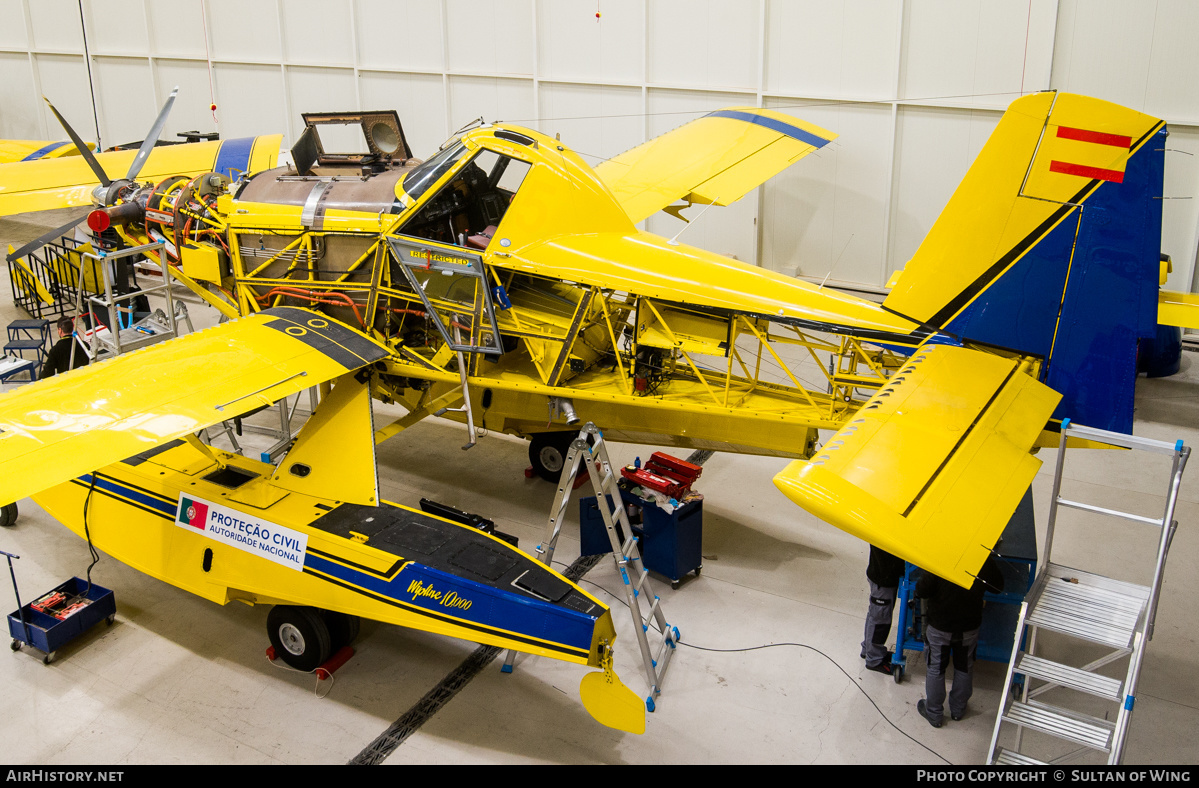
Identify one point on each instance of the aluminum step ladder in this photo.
(1091, 608)
(656, 648)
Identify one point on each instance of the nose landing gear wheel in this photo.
(299, 636)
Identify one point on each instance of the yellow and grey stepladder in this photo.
(1091, 608)
(590, 448)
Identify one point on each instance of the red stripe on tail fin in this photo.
(1065, 168)
(1097, 137)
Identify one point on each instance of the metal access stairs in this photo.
(45, 283)
(1087, 607)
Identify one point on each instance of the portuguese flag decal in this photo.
(193, 513)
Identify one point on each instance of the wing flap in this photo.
(57, 429)
(933, 465)
(715, 159)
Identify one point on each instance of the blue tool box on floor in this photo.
(48, 633)
(671, 544)
(1017, 559)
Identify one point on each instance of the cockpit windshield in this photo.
(420, 179)
(468, 209)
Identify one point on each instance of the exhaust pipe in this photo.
(562, 406)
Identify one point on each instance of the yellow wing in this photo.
(34, 150)
(68, 181)
(716, 159)
(933, 465)
(54, 430)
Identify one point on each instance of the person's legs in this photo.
(878, 625)
(964, 652)
(937, 646)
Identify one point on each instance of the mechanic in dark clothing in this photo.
(954, 615)
(883, 572)
(59, 357)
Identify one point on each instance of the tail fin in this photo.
(1050, 246)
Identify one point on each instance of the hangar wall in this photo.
(912, 86)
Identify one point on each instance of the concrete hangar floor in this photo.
(768, 670)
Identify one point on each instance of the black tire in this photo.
(547, 453)
(15, 645)
(897, 673)
(8, 516)
(343, 628)
(299, 636)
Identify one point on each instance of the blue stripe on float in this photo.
(497, 610)
(114, 487)
(40, 152)
(774, 125)
(234, 155)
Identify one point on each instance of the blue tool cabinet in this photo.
(671, 544)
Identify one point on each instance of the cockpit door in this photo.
(452, 283)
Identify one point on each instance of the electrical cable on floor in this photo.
(774, 645)
(87, 533)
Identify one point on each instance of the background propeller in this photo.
(135, 167)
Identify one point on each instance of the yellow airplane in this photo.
(504, 282)
(35, 150)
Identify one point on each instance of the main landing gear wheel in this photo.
(547, 453)
(8, 515)
(343, 628)
(299, 636)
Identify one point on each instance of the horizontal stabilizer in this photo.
(713, 160)
(1177, 309)
(59, 428)
(933, 465)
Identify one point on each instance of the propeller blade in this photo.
(152, 137)
(46, 238)
(84, 151)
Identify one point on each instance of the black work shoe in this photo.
(920, 707)
(957, 717)
(882, 667)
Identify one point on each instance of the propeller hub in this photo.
(98, 221)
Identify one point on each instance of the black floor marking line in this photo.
(424, 709)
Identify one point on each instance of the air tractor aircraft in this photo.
(504, 282)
